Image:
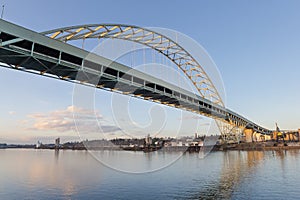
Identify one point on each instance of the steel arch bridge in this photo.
(49, 54)
(159, 42)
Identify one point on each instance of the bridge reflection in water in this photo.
(221, 175)
(254, 175)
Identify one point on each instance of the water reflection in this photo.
(35, 171)
(244, 173)
(56, 155)
(235, 167)
(138, 162)
(43, 174)
(280, 154)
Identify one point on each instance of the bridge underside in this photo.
(25, 50)
(21, 59)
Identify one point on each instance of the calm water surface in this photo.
(48, 174)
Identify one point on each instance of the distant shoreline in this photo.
(255, 146)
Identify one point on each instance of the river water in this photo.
(49, 174)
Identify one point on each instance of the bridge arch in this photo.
(157, 41)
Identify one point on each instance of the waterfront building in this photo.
(57, 142)
(38, 145)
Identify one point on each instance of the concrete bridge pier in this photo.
(248, 133)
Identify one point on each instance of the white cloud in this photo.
(71, 119)
(12, 112)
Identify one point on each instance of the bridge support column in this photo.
(230, 133)
(248, 132)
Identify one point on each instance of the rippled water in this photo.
(48, 174)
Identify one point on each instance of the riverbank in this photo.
(255, 146)
(259, 146)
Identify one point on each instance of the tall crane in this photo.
(279, 134)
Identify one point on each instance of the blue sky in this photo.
(255, 45)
